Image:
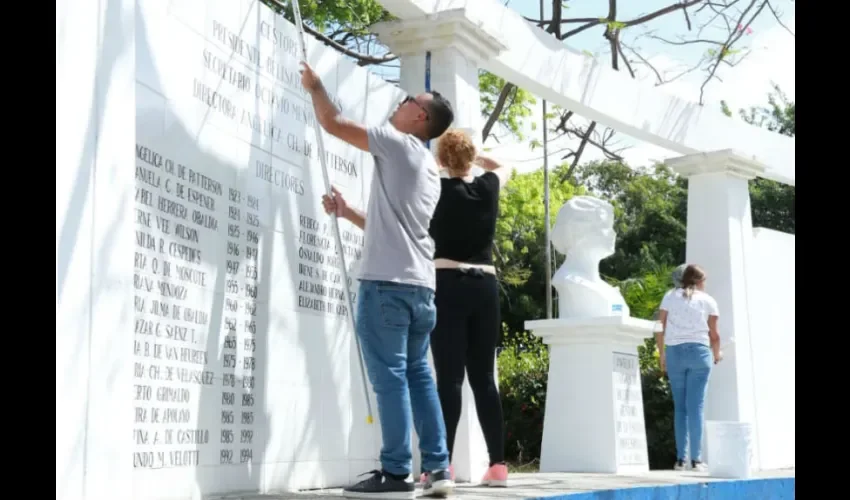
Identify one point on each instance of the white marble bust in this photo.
(584, 232)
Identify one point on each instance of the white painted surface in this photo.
(94, 191)
(753, 383)
(128, 80)
(772, 294)
(719, 231)
(302, 437)
(288, 373)
(730, 445)
(539, 63)
(593, 419)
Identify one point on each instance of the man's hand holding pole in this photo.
(335, 204)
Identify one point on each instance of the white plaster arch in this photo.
(539, 63)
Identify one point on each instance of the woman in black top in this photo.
(467, 296)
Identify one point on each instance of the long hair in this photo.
(692, 276)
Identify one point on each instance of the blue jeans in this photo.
(394, 323)
(688, 368)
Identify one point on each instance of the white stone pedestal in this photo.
(593, 419)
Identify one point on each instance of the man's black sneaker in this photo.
(438, 483)
(379, 484)
(698, 466)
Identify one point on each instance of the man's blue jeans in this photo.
(688, 368)
(394, 323)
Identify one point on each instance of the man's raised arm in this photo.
(328, 116)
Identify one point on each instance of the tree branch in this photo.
(776, 16)
(619, 46)
(362, 59)
(562, 21)
(497, 110)
(660, 12)
(685, 42)
(611, 34)
(733, 37)
(562, 126)
(579, 152)
(576, 31)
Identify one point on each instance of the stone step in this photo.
(763, 485)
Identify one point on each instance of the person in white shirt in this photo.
(687, 343)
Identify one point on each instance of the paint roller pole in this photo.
(546, 216)
(342, 264)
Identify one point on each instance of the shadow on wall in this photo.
(273, 435)
(84, 277)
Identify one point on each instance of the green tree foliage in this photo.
(650, 208)
(651, 214)
(345, 27)
(517, 107)
(523, 363)
(773, 204)
(351, 16)
(521, 245)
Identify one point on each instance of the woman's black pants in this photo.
(468, 326)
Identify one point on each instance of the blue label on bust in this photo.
(617, 308)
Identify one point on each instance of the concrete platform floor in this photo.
(541, 485)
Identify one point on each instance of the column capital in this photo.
(724, 161)
(448, 28)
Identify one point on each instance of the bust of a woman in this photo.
(584, 232)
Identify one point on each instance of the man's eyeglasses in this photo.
(410, 98)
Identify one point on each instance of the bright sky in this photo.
(772, 59)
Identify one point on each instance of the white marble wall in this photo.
(771, 291)
(94, 191)
(241, 371)
(218, 95)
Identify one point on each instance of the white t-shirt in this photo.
(687, 320)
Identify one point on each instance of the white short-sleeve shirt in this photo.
(687, 319)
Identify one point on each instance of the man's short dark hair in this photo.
(440, 115)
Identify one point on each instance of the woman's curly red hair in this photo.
(456, 151)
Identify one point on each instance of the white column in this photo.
(719, 237)
(457, 46)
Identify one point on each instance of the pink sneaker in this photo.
(496, 476)
(424, 476)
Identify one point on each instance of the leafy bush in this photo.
(523, 368)
(658, 415)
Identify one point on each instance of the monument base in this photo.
(594, 406)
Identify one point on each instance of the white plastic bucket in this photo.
(730, 449)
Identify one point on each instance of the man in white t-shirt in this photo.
(686, 345)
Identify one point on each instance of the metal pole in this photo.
(428, 84)
(320, 146)
(548, 267)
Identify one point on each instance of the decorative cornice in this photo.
(618, 330)
(723, 161)
(448, 28)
